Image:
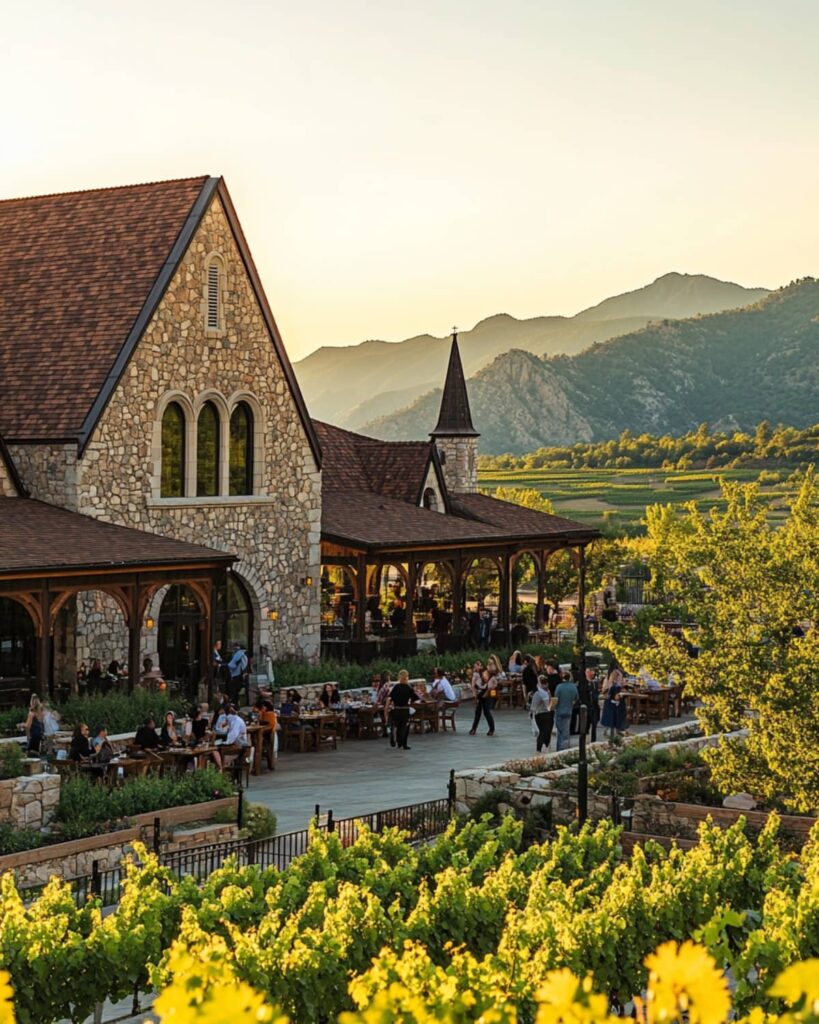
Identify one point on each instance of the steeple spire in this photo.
(455, 419)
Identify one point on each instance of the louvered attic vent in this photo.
(213, 297)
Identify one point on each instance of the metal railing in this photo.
(422, 821)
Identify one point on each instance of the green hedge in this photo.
(348, 677)
(121, 712)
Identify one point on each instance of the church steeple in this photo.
(455, 419)
(455, 437)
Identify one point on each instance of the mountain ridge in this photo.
(739, 366)
(346, 385)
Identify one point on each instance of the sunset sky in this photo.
(400, 167)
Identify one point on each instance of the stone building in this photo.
(145, 384)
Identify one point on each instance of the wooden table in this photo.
(256, 734)
(639, 703)
(184, 754)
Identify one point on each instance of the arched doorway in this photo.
(233, 618)
(179, 644)
(18, 641)
(180, 654)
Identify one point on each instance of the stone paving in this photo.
(369, 775)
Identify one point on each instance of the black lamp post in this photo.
(582, 768)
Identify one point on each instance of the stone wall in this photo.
(29, 801)
(8, 489)
(101, 631)
(460, 462)
(48, 471)
(275, 532)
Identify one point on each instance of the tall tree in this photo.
(750, 593)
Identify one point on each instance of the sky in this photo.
(402, 167)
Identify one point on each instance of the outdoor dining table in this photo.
(256, 734)
(640, 703)
(181, 755)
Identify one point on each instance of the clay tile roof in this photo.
(455, 417)
(37, 536)
(515, 519)
(75, 272)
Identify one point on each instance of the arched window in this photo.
(241, 450)
(207, 451)
(172, 484)
(430, 500)
(213, 304)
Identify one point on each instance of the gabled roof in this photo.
(455, 418)
(394, 469)
(371, 495)
(7, 466)
(81, 274)
(36, 537)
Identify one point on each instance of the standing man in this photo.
(237, 666)
(398, 706)
(564, 699)
(587, 689)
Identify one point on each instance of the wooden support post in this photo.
(360, 597)
(134, 635)
(541, 589)
(45, 684)
(581, 610)
(506, 596)
(412, 579)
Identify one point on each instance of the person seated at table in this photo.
(648, 680)
(80, 749)
(196, 725)
(168, 736)
(146, 736)
(515, 666)
(103, 750)
(329, 695)
(236, 735)
(441, 687)
(266, 712)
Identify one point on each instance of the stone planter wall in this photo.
(533, 790)
(665, 817)
(74, 859)
(29, 801)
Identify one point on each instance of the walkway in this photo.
(369, 775)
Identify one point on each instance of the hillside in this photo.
(731, 369)
(353, 385)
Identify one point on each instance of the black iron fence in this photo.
(422, 821)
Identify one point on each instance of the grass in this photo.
(615, 499)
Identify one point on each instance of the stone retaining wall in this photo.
(29, 801)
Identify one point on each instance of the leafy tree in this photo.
(750, 593)
(528, 497)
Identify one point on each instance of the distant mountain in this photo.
(734, 368)
(352, 385)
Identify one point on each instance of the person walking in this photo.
(587, 689)
(541, 713)
(564, 699)
(484, 690)
(237, 667)
(401, 697)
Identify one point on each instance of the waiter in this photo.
(398, 707)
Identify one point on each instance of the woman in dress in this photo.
(614, 707)
(34, 725)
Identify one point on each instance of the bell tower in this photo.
(455, 437)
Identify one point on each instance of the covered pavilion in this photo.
(409, 504)
(48, 554)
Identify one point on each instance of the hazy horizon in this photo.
(398, 170)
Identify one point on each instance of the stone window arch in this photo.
(208, 450)
(174, 447)
(241, 450)
(430, 499)
(214, 293)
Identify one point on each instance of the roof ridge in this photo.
(107, 188)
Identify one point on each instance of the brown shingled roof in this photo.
(75, 272)
(396, 469)
(36, 536)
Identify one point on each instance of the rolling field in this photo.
(616, 498)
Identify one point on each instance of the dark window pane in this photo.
(207, 451)
(18, 643)
(173, 452)
(241, 450)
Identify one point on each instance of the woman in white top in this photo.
(494, 666)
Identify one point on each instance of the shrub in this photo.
(11, 760)
(259, 822)
(15, 840)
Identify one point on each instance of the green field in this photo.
(616, 498)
